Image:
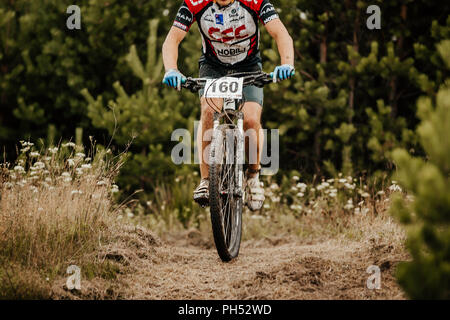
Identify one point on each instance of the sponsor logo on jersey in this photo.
(219, 18)
(180, 25)
(230, 52)
(266, 21)
(184, 17)
(233, 14)
(197, 2)
(267, 9)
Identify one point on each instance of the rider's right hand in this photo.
(174, 78)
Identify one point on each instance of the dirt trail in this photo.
(285, 268)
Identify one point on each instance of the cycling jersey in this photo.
(230, 34)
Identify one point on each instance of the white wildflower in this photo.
(300, 194)
(19, 169)
(80, 155)
(365, 195)
(395, 188)
(296, 207)
(101, 183)
(53, 150)
(380, 193)
(349, 206)
(38, 165)
(65, 174)
(70, 162)
(274, 186)
(350, 186)
(295, 178)
(69, 145)
(266, 206)
(302, 186)
(35, 154)
(114, 188)
(86, 166)
(276, 199)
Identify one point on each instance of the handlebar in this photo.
(258, 79)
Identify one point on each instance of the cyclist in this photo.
(230, 36)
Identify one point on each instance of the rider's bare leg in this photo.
(254, 134)
(206, 124)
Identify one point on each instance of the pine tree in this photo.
(146, 118)
(427, 276)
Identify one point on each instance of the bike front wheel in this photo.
(225, 192)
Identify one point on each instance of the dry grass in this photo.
(56, 209)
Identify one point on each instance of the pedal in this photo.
(202, 200)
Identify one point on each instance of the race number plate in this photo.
(224, 88)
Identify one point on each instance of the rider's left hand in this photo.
(283, 72)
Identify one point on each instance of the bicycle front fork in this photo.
(240, 155)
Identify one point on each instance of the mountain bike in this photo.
(227, 156)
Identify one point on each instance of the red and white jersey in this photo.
(230, 34)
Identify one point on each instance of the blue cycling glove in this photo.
(173, 78)
(283, 72)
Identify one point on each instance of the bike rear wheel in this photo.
(225, 198)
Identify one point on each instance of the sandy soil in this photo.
(186, 266)
(286, 268)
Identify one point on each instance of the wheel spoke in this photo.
(228, 203)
